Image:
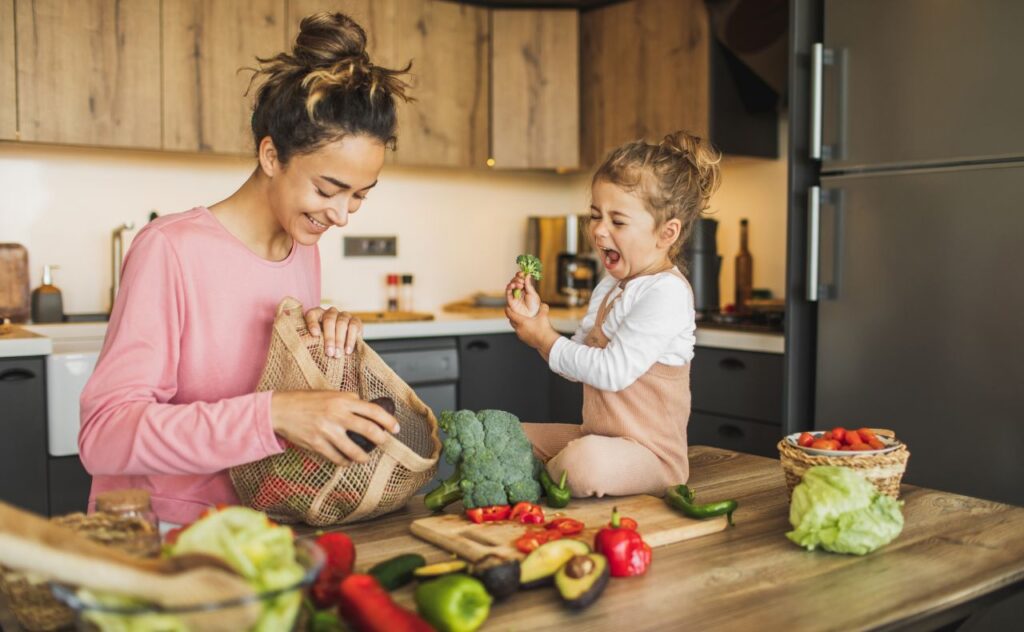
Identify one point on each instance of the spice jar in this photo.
(134, 513)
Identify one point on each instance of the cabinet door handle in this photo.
(478, 345)
(731, 364)
(16, 375)
(730, 431)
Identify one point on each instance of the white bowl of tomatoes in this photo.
(840, 441)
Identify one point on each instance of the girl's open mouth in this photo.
(611, 257)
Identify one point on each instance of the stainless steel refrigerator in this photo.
(906, 217)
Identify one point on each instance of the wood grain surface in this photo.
(392, 317)
(8, 73)
(953, 551)
(659, 524)
(14, 283)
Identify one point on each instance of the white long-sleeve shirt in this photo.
(652, 321)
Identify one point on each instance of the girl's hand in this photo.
(528, 302)
(317, 421)
(535, 331)
(341, 330)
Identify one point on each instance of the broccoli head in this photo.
(493, 459)
(531, 267)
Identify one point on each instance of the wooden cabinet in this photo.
(8, 73)
(535, 94)
(206, 44)
(644, 73)
(89, 72)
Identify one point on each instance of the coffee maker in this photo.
(570, 270)
(703, 264)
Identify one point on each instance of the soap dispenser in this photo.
(47, 304)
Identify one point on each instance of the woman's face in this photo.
(318, 190)
(623, 232)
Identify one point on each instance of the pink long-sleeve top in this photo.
(172, 402)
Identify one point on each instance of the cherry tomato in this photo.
(805, 440)
(838, 433)
(866, 434)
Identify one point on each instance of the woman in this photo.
(170, 406)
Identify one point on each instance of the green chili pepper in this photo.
(558, 495)
(682, 498)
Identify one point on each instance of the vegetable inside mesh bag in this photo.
(302, 486)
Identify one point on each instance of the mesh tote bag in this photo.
(302, 486)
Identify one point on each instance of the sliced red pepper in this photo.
(627, 523)
(528, 513)
(492, 513)
(533, 539)
(566, 526)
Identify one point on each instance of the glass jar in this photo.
(134, 513)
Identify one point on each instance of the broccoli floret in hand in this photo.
(493, 459)
(531, 267)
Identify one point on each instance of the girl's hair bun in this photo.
(701, 156)
(328, 38)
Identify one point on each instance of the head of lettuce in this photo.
(837, 509)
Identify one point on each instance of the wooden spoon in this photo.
(31, 543)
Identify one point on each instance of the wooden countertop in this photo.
(953, 551)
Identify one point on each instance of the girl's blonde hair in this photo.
(325, 89)
(675, 179)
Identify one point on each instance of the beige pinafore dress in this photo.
(631, 441)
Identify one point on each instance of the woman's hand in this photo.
(528, 302)
(341, 330)
(318, 421)
(535, 331)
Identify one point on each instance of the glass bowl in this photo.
(90, 616)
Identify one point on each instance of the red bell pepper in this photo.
(341, 558)
(528, 513)
(566, 526)
(493, 513)
(367, 607)
(627, 553)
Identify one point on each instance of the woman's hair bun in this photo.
(327, 38)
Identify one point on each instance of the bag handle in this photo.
(288, 323)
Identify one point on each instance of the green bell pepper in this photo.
(454, 603)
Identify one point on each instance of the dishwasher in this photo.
(431, 367)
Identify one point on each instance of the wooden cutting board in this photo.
(392, 317)
(14, 282)
(472, 310)
(659, 525)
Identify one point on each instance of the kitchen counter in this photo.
(74, 337)
(955, 554)
(17, 341)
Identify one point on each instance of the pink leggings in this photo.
(597, 465)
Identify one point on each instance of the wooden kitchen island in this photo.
(956, 554)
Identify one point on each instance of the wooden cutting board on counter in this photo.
(659, 525)
(469, 308)
(14, 282)
(392, 317)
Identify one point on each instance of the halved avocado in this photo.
(542, 563)
(441, 568)
(582, 580)
(499, 575)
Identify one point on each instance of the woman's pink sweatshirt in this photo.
(171, 404)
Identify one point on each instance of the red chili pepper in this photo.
(528, 513)
(492, 513)
(627, 553)
(367, 607)
(341, 558)
(566, 526)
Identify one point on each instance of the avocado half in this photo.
(499, 575)
(540, 566)
(582, 579)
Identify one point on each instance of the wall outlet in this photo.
(370, 246)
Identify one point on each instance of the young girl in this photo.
(633, 348)
(170, 406)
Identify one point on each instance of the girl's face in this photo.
(318, 190)
(624, 233)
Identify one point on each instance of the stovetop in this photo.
(768, 322)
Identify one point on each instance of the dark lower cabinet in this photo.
(23, 475)
(498, 371)
(69, 485)
(730, 433)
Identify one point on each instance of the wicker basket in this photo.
(28, 594)
(883, 470)
(302, 486)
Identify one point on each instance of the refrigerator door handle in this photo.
(813, 241)
(817, 69)
(821, 57)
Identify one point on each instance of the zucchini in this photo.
(439, 569)
(397, 571)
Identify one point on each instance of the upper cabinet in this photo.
(208, 45)
(8, 83)
(535, 96)
(644, 73)
(88, 72)
(447, 43)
